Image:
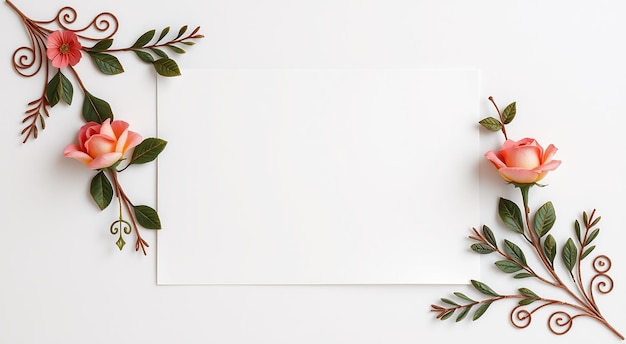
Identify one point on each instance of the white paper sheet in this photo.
(318, 176)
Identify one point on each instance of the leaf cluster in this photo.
(506, 117)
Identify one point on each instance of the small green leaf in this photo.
(523, 275)
(147, 150)
(448, 301)
(120, 243)
(528, 301)
(544, 219)
(147, 217)
(585, 217)
(144, 56)
(159, 53)
(102, 45)
(514, 252)
(527, 292)
(96, 109)
(176, 49)
(481, 248)
(489, 236)
(511, 215)
(144, 39)
(448, 314)
(163, 33)
(508, 266)
(463, 296)
(188, 43)
(59, 88)
(166, 67)
(509, 113)
(107, 63)
(595, 222)
(569, 254)
(491, 123)
(587, 251)
(463, 313)
(101, 190)
(549, 248)
(592, 236)
(181, 32)
(481, 310)
(577, 231)
(483, 288)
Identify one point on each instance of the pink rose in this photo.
(102, 145)
(63, 48)
(523, 161)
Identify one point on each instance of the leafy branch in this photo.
(152, 54)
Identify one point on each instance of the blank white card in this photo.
(318, 176)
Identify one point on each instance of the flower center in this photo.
(65, 48)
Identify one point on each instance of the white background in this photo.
(64, 281)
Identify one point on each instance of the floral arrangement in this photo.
(103, 142)
(523, 164)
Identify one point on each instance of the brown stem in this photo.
(501, 118)
(140, 243)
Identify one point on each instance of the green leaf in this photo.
(577, 231)
(491, 123)
(514, 252)
(595, 222)
(188, 43)
(448, 301)
(166, 67)
(527, 292)
(107, 63)
(463, 313)
(528, 301)
(587, 251)
(448, 314)
(508, 266)
(181, 32)
(144, 39)
(59, 88)
(147, 150)
(549, 248)
(463, 296)
(544, 219)
(102, 45)
(483, 288)
(101, 190)
(163, 33)
(592, 236)
(523, 275)
(120, 243)
(509, 113)
(176, 49)
(481, 248)
(489, 236)
(481, 310)
(511, 215)
(144, 56)
(569, 254)
(147, 217)
(96, 109)
(159, 53)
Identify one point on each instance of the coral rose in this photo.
(63, 48)
(523, 161)
(102, 145)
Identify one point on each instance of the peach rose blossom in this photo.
(523, 161)
(63, 49)
(102, 145)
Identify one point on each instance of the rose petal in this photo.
(519, 175)
(105, 160)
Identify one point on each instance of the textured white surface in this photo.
(64, 281)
